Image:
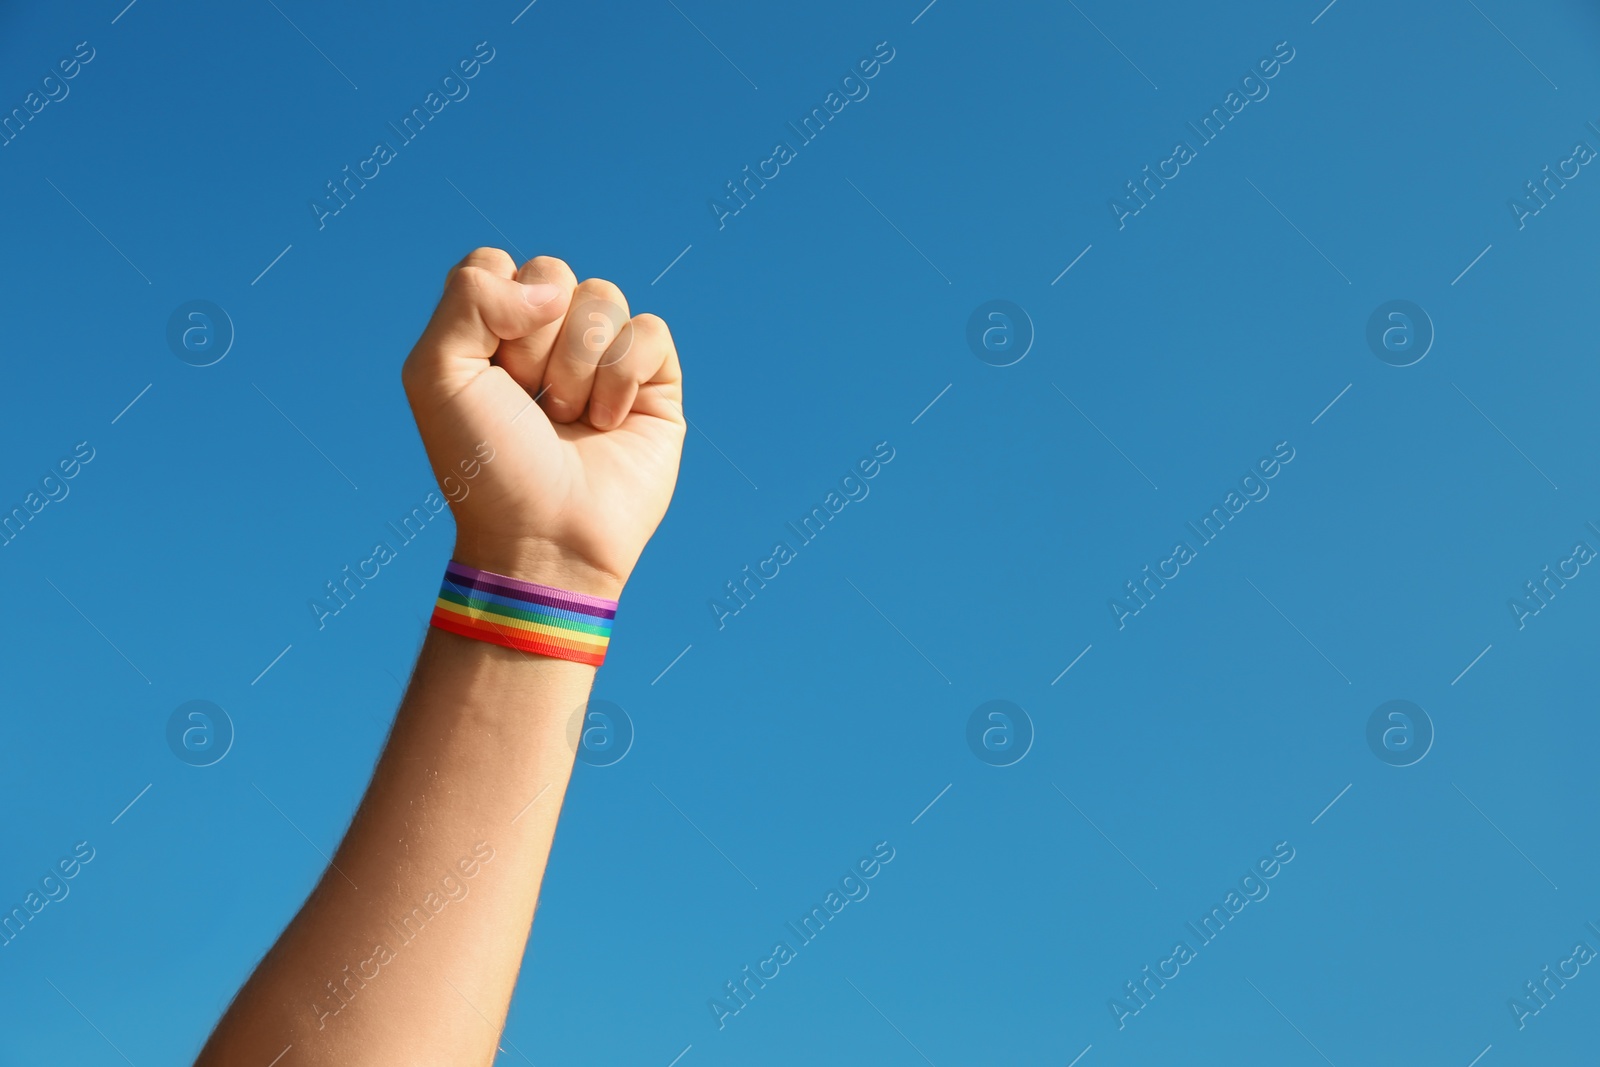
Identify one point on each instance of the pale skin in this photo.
(483, 743)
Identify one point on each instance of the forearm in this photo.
(401, 955)
(408, 949)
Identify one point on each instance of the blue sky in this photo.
(1172, 352)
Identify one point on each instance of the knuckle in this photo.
(600, 289)
(651, 328)
(489, 258)
(549, 269)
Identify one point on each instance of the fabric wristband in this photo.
(540, 619)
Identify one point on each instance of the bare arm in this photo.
(408, 949)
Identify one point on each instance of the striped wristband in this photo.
(540, 619)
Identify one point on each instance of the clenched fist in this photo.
(582, 406)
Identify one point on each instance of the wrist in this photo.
(538, 618)
(536, 560)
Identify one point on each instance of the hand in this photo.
(580, 477)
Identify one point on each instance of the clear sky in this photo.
(178, 520)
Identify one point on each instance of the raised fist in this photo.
(566, 412)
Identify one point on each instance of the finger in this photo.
(489, 258)
(483, 304)
(524, 357)
(597, 313)
(662, 395)
(636, 358)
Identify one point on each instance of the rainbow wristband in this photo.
(527, 616)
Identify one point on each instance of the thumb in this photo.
(483, 304)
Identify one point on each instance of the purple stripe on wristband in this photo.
(487, 581)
